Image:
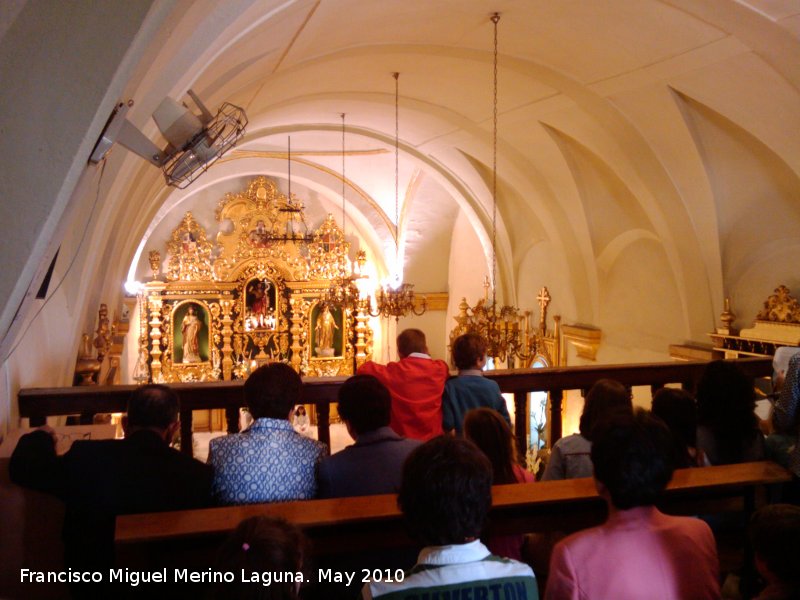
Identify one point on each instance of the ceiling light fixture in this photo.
(396, 299)
(343, 290)
(505, 330)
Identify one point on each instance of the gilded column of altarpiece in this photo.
(259, 293)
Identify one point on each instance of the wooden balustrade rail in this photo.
(38, 403)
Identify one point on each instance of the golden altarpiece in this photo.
(255, 294)
(777, 324)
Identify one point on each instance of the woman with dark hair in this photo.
(727, 430)
(570, 457)
(639, 552)
(257, 546)
(678, 410)
(485, 428)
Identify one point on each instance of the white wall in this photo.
(84, 50)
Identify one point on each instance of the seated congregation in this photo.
(440, 443)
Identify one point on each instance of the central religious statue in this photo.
(190, 329)
(326, 325)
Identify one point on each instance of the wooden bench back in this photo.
(370, 522)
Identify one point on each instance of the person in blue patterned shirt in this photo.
(270, 461)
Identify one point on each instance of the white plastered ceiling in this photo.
(647, 154)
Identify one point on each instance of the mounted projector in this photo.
(195, 142)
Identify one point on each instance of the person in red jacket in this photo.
(416, 383)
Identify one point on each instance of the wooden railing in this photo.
(39, 403)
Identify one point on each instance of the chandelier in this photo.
(396, 299)
(505, 330)
(343, 290)
(296, 230)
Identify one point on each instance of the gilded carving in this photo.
(780, 307)
(776, 325)
(155, 263)
(189, 252)
(267, 226)
(102, 340)
(510, 335)
(328, 253)
(260, 293)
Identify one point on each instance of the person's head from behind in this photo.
(469, 351)
(272, 391)
(726, 405)
(632, 458)
(364, 404)
(606, 398)
(262, 544)
(153, 407)
(724, 392)
(410, 341)
(678, 410)
(489, 431)
(774, 531)
(446, 491)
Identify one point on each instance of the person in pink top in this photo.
(416, 383)
(639, 552)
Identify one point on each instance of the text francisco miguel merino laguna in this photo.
(265, 578)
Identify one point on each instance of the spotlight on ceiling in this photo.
(195, 141)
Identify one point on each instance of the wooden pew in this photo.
(365, 524)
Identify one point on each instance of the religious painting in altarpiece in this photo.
(257, 290)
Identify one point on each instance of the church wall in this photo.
(74, 296)
(755, 191)
(640, 306)
(428, 243)
(541, 266)
(467, 269)
(656, 113)
(63, 66)
(48, 136)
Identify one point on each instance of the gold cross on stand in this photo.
(544, 299)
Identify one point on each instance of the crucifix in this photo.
(544, 299)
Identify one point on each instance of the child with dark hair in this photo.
(639, 552)
(728, 430)
(678, 410)
(774, 533)
(445, 496)
(488, 431)
(262, 545)
(470, 389)
(569, 458)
